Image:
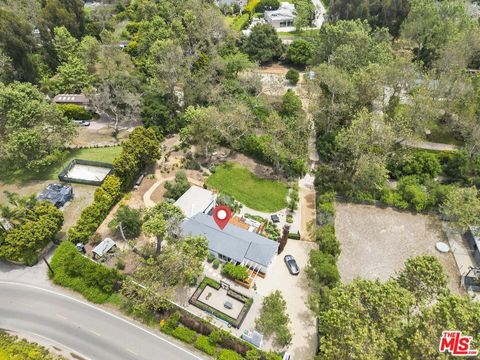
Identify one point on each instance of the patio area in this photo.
(218, 299)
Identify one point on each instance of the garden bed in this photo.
(198, 299)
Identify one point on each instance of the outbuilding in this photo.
(104, 247)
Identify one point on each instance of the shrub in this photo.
(204, 344)
(120, 264)
(207, 281)
(423, 164)
(216, 263)
(227, 354)
(184, 334)
(293, 76)
(328, 243)
(210, 257)
(130, 220)
(75, 112)
(267, 5)
(215, 336)
(24, 241)
(176, 189)
(294, 236)
(300, 52)
(236, 272)
(71, 269)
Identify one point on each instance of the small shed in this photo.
(104, 247)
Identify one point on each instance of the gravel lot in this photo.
(375, 242)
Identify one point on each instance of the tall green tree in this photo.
(32, 129)
(263, 44)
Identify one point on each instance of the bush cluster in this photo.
(106, 196)
(423, 164)
(184, 334)
(11, 347)
(177, 188)
(141, 149)
(23, 242)
(73, 270)
(236, 272)
(75, 112)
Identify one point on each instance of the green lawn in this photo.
(106, 155)
(258, 194)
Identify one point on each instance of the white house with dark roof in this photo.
(283, 18)
(232, 244)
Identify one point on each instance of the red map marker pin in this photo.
(222, 215)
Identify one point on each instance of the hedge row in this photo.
(13, 348)
(210, 340)
(73, 270)
(140, 149)
(23, 242)
(106, 196)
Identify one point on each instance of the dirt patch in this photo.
(376, 242)
(273, 69)
(97, 137)
(307, 211)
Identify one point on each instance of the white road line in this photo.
(105, 312)
(131, 351)
(95, 333)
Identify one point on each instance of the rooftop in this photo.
(234, 242)
(104, 247)
(195, 200)
(71, 98)
(286, 11)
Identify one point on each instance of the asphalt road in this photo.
(82, 328)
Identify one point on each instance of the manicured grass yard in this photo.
(106, 155)
(258, 194)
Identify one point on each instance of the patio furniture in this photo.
(228, 305)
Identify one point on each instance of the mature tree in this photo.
(68, 13)
(18, 44)
(72, 77)
(353, 45)
(273, 319)
(430, 25)
(163, 221)
(127, 221)
(462, 206)
(64, 43)
(300, 52)
(367, 316)
(17, 211)
(7, 71)
(424, 277)
(200, 130)
(263, 44)
(388, 14)
(32, 129)
(421, 336)
(267, 5)
(306, 13)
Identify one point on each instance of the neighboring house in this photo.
(283, 18)
(76, 99)
(196, 200)
(241, 3)
(57, 194)
(104, 247)
(233, 244)
(473, 239)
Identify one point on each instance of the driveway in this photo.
(295, 292)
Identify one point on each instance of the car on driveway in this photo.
(291, 264)
(82, 122)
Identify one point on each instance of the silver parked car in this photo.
(291, 264)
